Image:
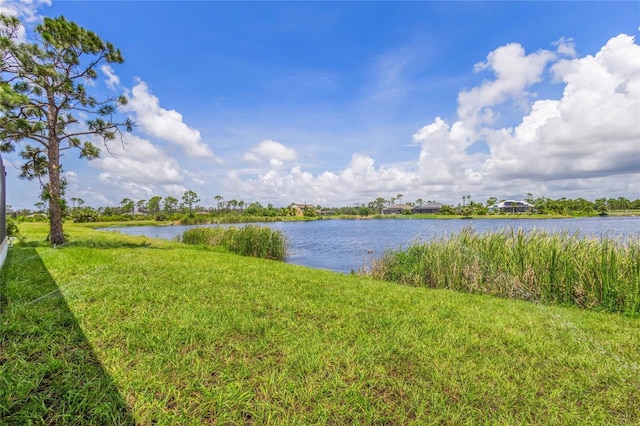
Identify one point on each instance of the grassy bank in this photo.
(602, 274)
(163, 333)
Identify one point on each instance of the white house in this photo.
(512, 206)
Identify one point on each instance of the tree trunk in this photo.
(56, 234)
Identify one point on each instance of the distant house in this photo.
(300, 207)
(512, 206)
(424, 209)
(428, 208)
(397, 209)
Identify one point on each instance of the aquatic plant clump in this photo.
(601, 274)
(250, 240)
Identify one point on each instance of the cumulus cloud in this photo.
(194, 177)
(140, 163)
(565, 47)
(515, 71)
(587, 140)
(592, 130)
(442, 157)
(137, 170)
(164, 124)
(26, 10)
(112, 80)
(272, 152)
(360, 178)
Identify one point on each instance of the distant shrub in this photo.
(309, 212)
(250, 240)
(11, 228)
(194, 219)
(116, 218)
(84, 214)
(36, 217)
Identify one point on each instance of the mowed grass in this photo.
(176, 334)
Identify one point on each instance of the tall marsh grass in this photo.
(250, 240)
(601, 274)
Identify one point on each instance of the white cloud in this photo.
(272, 152)
(164, 124)
(26, 10)
(585, 142)
(442, 157)
(591, 131)
(140, 163)
(565, 47)
(388, 76)
(361, 178)
(112, 80)
(138, 170)
(194, 177)
(515, 72)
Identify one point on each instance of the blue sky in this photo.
(335, 103)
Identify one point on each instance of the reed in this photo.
(567, 269)
(251, 240)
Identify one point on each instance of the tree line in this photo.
(187, 207)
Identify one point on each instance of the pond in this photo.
(346, 245)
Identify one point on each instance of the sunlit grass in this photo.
(188, 335)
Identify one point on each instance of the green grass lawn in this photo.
(112, 329)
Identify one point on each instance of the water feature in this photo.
(345, 245)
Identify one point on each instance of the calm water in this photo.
(345, 245)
